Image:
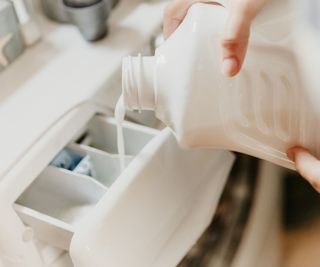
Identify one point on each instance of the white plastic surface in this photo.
(158, 206)
(55, 202)
(103, 133)
(263, 111)
(62, 194)
(156, 210)
(58, 199)
(106, 166)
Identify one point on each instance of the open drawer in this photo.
(154, 210)
(77, 178)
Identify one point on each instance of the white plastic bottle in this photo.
(262, 111)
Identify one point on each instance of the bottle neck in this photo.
(138, 83)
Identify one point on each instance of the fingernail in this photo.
(290, 154)
(230, 66)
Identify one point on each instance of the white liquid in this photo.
(119, 114)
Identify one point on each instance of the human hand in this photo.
(307, 165)
(234, 42)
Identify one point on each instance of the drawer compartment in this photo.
(105, 166)
(76, 180)
(102, 134)
(56, 201)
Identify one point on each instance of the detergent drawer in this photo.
(154, 210)
(77, 178)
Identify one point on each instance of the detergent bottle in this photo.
(262, 111)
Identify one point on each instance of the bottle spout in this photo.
(138, 76)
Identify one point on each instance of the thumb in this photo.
(236, 36)
(307, 165)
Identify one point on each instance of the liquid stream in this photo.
(119, 116)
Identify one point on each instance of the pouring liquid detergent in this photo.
(119, 115)
(262, 111)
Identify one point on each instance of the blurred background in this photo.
(267, 216)
(296, 203)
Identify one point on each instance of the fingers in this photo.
(174, 15)
(237, 29)
(307, 165)
(236, 35)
